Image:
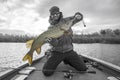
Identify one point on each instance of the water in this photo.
(11, 54)
(106, 52)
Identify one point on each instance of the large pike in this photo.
(54, 31)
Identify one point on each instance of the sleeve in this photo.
(77, 18)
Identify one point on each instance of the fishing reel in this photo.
(48, 53)
(68, 75)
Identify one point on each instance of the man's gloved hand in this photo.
(78, 16)
(47, 40)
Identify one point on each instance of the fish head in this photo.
(67, 25)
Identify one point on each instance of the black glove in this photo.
(78, 16)
(48, 40)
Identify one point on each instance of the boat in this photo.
(97, 70)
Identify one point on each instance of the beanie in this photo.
(54, 9)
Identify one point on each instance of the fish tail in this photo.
(29, 43)
(28, 57)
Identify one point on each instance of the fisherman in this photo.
(62, 47)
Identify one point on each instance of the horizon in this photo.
(21, 32)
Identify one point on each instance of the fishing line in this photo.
(84, 23)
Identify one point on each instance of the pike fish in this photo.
(55, 31)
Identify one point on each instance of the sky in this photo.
(31, 16)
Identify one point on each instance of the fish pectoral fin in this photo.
(29, 43)
(38, 50)
(29, 58)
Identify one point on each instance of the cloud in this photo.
(101, 12)
(2, 1)
(29, 21)
(24, 14)
(44, 6)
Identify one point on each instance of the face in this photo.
(55, 15)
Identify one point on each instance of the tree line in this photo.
(103, 36)
(14, 38)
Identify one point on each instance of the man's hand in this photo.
(78, 16)
(47, 40)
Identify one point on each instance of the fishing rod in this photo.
(94, 72)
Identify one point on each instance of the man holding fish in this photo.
(59, 35)
(62, 47)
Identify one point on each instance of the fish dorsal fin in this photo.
(29, 43)
(38, 50)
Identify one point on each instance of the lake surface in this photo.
(106, 52)
(11, 54)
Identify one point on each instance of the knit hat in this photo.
(54, 9)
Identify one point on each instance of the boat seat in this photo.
(19, 77)
(27, 70)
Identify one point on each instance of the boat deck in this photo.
(38, 75)
(104, 71)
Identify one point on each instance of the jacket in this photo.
(64, 43)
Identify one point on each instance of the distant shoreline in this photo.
(107, 36)
(96, 39)
(79, 40)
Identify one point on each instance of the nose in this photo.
(55, 15)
